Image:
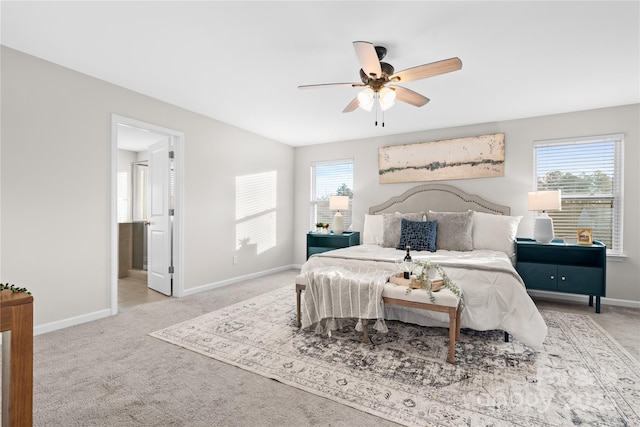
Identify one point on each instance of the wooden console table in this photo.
(16, 315)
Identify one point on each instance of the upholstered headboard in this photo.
(439, 198)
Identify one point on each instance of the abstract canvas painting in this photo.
(460, 158)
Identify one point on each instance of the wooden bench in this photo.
(446, 302)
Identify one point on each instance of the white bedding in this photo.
(494, 294)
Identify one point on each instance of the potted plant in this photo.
(13, 288)
(322, 227)
(430, 274)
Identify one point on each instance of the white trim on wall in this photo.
(71, 321)
(558, 296)
(237, 279)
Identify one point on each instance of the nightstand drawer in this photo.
(538, 276)
(580, 280)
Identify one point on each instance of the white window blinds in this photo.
(123, 203)
(330, 179)
(589, 173)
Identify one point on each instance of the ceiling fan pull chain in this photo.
(375, 106)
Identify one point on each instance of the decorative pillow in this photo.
(495, 232)
(420, 235)
(454, 230)
(373, 230)
(391, 227)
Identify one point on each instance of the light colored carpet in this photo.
(110, 372)
(582, 376)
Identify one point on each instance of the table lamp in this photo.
(544, 201)
(338, 203)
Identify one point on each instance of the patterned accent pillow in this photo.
(420, 235)
(454, 230)
(391, 227)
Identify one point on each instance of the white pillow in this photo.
(373, 230)
(495, 232)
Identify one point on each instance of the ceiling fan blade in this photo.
(427, 70)
(410, 97)
(368, 59)
(330, 85)
(352, 105)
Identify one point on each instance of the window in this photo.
(330, 179)
(588, 171)
(123, 206)
(140, 189)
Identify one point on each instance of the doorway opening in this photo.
(146, 237)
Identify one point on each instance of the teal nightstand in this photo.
(561, 267)
(317, 243)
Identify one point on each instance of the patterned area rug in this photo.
(581, 377)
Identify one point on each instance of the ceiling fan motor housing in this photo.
(381, 51)
(377, 83)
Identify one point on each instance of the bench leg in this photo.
(458, 314)
(365, 332)
(298, 293)
(453, 331)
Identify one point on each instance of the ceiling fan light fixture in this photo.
(386, 97)
(366, 99)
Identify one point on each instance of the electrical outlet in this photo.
(235, 259)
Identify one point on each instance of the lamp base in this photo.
(543, 229)
(338, 223)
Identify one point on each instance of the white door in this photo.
(159, 233)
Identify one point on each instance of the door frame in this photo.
(178, 218)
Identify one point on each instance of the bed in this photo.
(473, 240)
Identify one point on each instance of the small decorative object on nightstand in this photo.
(317, 243)
(562, 267)
(584, 236)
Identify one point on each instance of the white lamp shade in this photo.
(386, 97)
(340, 203)
(544, 200)
(365, 99)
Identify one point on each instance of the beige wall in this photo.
(55, 171)
(55, 188)
(623, 276)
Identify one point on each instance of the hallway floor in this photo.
(132, 292)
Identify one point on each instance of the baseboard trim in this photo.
(227, 282)
(89, 317)
(71, 321)
(583, 298)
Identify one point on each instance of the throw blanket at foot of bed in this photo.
(494, 295)
(342, 292)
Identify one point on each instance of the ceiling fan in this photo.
(380, 79)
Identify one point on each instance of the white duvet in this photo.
(494, 294)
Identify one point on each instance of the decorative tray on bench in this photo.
(436, 284)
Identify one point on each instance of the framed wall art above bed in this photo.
(460, 158)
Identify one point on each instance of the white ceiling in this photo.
(241, 62)
(136, 139)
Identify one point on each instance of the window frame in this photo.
(617, 192)
(313, 202)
